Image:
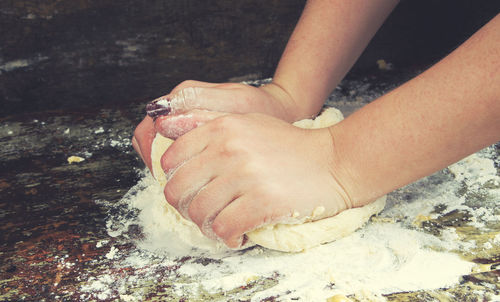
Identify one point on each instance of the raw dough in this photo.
(298, 237)
(287, 237)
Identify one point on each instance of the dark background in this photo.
(80, 54)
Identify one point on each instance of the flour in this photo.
(111, 254)
(389, 255)
(161, 230)
(367, 260)
(475, 171)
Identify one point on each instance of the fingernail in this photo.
(160, 106)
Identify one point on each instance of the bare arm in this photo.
(441, 116)
(326, 42)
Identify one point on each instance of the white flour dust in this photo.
(391, 254)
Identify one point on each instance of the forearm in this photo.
(326, 42)
(441, 116)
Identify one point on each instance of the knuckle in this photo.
(250, 169)
(184, 84)
(188, 92)
(229, 148)
(237, 151)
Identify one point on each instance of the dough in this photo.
(287, 237)
(298, 237)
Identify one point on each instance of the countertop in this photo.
(54, 237)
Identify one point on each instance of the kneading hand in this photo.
(240, 172)
(195, 103)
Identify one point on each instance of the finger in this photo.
(208, 98)
(185, 148)
(145, 134)
(173, 126)
(192, 83)
(210, 201)
(243, 215)
(233, 221)
(187, 181)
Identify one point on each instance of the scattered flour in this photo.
(496, 239)
(99, 130)
(112, 252)
(389, 255)
(120, 143)
(101, 243)
(475, 170)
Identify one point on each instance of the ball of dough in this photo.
(288, 237)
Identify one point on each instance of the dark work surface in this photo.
(52, 219)
(47, 206)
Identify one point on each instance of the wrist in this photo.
(291, 106)
(359, 189)
(284, 105)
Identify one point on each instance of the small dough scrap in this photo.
(286, 237)
(75, 159)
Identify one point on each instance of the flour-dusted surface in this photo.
(437, 239)
(59, 248)
(411, 246)
(382, 258)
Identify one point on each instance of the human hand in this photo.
(193, 103)
(240, 172)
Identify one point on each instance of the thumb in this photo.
(173, 126)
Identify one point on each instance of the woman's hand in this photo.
(195, 103)
(239, 172)
(270, 99)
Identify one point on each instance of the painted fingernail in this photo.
(160, 106)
